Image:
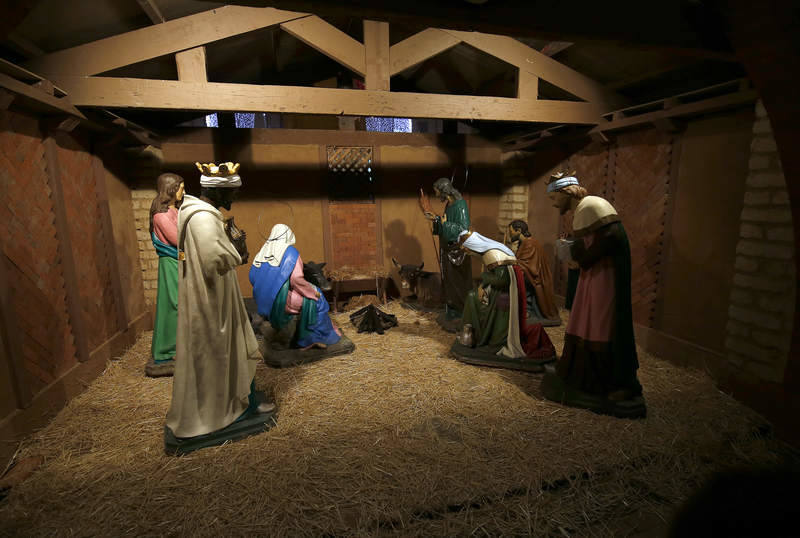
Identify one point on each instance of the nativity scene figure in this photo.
(597, 368)
(455, 270)
(214, 398)
(293, 314)
(540, 296)
(164, 235)
(495, 311)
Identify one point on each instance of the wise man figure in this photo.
(538, 277)
(597, 369)
(456, 269)
(213, 394)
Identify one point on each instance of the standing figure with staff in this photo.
(456, 270)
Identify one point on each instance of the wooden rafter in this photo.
(176, 95)
(328, 40)
(376, 53)
(39, 98)
(534, 62)
(419, 47)
(158, 40)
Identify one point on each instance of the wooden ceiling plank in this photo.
(24, 75)
(151, 8)
(158, 40)
(376, 54)
(419, 47)
(534, 62)
(329, 40)
(39, 97)
(192, 65)
(175, 95)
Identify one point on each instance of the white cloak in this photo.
(216, 349)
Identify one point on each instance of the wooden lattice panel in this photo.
(92, 267)
(29, 243)
(349, 159)
(640, 194)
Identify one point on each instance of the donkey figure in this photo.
(425, 286)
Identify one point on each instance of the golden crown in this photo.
(559, 175)
(221, 170)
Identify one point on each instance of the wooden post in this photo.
(74, 308)
(192, 65)
(376, 55)
(106, 227)
(527, 85)
(11, 338)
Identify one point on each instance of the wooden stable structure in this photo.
(91, 113)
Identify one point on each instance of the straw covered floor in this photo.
(394, 439)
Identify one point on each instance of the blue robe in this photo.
(270, 289)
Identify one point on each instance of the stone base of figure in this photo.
(554, 388)
(450, 323)
(159, 369)
(278, 352)
(487, 356)
(252, 423)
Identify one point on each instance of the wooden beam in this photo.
(376, 55)
(159, 40)
(150, 7)
(419, 47)
(527, 85)
(175, 95)
(698, 107)
(328, 40)
(39, 99)
(534, 62)
(192, 65)
(23, 75)
(6, 98)
(73, 297)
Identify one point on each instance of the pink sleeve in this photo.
(299, 284)
(166, 228)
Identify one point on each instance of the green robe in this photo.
(166, 322)
(490, 321)
(456, 279)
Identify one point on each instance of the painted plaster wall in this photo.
(284, 176)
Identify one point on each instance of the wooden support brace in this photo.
(376, 55)
(418, 48)
(527, 85)
(192, 65)
(6, 98)
(74, 309)
(329, 40)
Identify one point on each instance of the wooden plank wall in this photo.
(62, 314)
(634, 173)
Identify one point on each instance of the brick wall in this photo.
(354, 240)
(514, 189)
(148, 259)
(760, 315)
